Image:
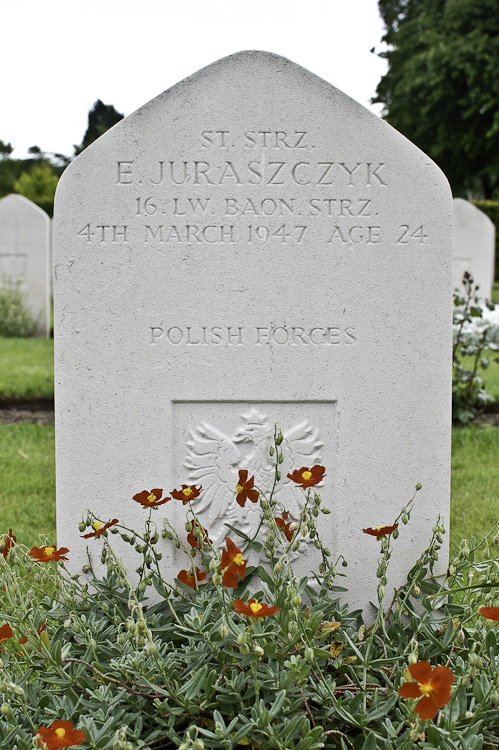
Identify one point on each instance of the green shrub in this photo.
(15, 319)
(287, 666)
(475, 337)
(491, 208)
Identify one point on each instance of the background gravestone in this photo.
(253, 246)
(474, 246)
(24, 254)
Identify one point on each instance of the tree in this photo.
(442, 85)
(101, 117)
(5, 149)
(38, 185)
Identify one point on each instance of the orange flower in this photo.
(39, 630)
(434, 686)
(5, 633)
(281, 524)
(186, 494)
(232, 565)
(60, 734)
(491, 613)
(150, 499)
(190, 579)
(192, 539)
(7, 543)
(381, 531)
(48, 554)
(100, 529)
(254, 609)
(308, 477)
(244, 489)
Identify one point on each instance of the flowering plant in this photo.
(227, 653)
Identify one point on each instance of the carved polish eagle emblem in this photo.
(214, 459)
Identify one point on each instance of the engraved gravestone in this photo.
(24, 255)
(253, 247)
(474, 246)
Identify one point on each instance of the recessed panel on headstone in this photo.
(24, 255)
(254, 247)
(474, 247)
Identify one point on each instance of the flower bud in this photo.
(461, 636)
(279, 438)
(86, 569)
(150, 648)
(381, 592)
(412, 658)
(216, 579)
(344, 564)
(223, 630)
(280, 459)
(258, 651)
(296, 600)
(309, 653)
(188, 526)
(17, 690)
(419, 486)
(405, 518)
(82, 526)
(6, 709)
(278, 475)
(271, 450)
(278, 568)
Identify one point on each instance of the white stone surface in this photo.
(253, 246)
(474, 246)
(24, 254)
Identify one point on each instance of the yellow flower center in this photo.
(255, 607)
(425, 689)
(239, 489)
(96, 525)
(238, 559)
(306, 475)
(49, 551)
(187, 492)
(379, 527)
(60, 732)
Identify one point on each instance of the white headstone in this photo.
(252, 247)
(24, 254)
(474, 246)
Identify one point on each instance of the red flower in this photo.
(232, 565)
(190, 579)
(60, 734)
(39, 630)
(47, 554)
(381, 531)
(7, 543)
(5, 633)
(244, 489)
(150, 499)
(434, 686)
(192, 539)
(254, 609)
(100, 529)
(491, 613)
(281, 524)
(186, 494)
(308, 477)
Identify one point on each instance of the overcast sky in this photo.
(58, 56)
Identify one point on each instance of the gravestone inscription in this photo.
(474, 246)
(24, 255)
(253, 247)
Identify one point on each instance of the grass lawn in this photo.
(27, 368)
(27, 491)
